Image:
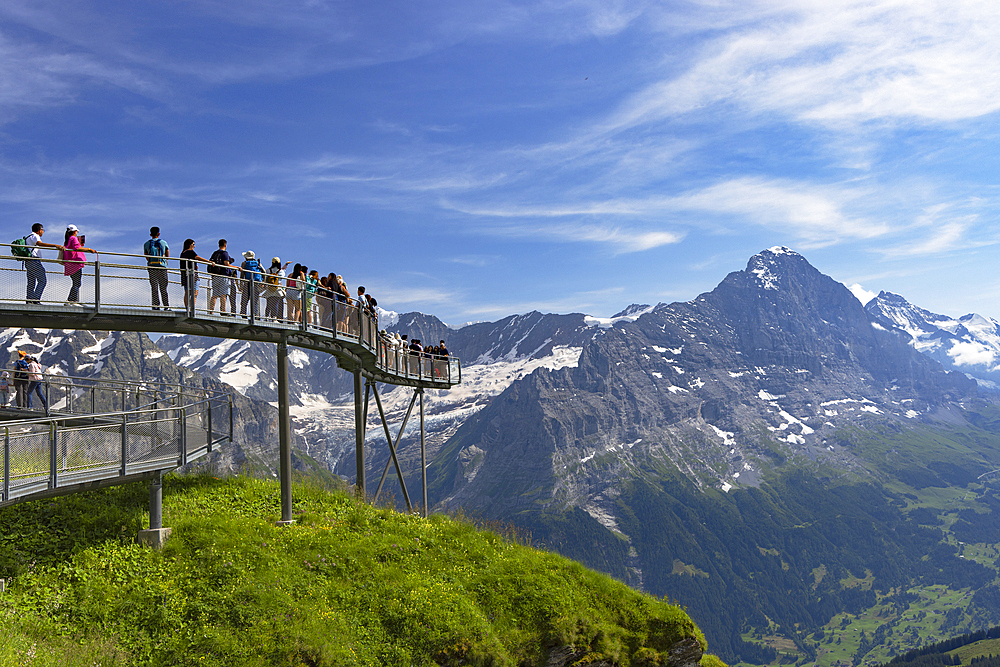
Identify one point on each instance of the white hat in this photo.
(71, 228)
(249, 254)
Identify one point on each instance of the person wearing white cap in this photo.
(73, 259)
(250, 275)
(274, 306)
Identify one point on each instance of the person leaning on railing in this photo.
(73, 259)
(33, 266)
(223, 286)
(189, 272)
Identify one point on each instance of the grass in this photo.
(347, 584)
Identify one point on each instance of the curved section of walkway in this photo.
(116, 293)
(104, 432)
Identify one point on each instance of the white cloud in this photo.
(834, 62)
(814, 213)
(972, 353)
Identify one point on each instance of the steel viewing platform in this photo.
(116, 296)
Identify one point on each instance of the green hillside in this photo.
(348, 584)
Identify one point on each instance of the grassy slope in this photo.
(348, 584)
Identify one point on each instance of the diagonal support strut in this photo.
(392, 447)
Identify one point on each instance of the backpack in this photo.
(20, 248)
(272, 280)
(155, 248)
(252, 269)
(20, 370)
(219, 269)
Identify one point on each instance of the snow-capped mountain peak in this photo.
(970, 344)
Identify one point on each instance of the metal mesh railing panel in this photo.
(87, 448)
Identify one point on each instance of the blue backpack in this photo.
(154, 247)
(251, 270)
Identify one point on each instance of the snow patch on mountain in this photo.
(630, 314)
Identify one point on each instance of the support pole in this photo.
(423, 449)
(284, 435)
(156, 501)
(156, 535)
(360, 420)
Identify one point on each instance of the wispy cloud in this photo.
(831, 63)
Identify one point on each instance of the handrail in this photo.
(116, 288)
(67, 452)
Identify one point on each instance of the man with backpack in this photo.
(21, 380)
(157, 251)
(223, 285)
(27, 248)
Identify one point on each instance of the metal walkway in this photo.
(104, 432)
(117, 292)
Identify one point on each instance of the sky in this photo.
(476, 160)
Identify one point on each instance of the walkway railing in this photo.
(159, 427)
(123, 284)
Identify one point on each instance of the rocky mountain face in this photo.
(494, 355)
(695, 448)
(970, 344)
(777, 356)
(133, 356)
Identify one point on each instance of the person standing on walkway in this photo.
(251, 275)
(21, 379)
(73, 259)
(5, 387)
(33, 265)
(223, 286)
(294, 293)
(189, 273)
(274, 306)
(35, 382)
(156, 251)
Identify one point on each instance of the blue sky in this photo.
(474, 160)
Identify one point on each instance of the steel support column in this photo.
(156, 501)
(284, 435)
(423, 449)
(360, 421)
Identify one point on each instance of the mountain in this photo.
(751, 452)
(776, 457)
(970, 344)
(777, 354)
(494, 355)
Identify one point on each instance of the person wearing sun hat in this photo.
(251, 274)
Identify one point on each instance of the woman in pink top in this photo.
(73, 259)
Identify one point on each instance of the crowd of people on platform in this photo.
(299, 296)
